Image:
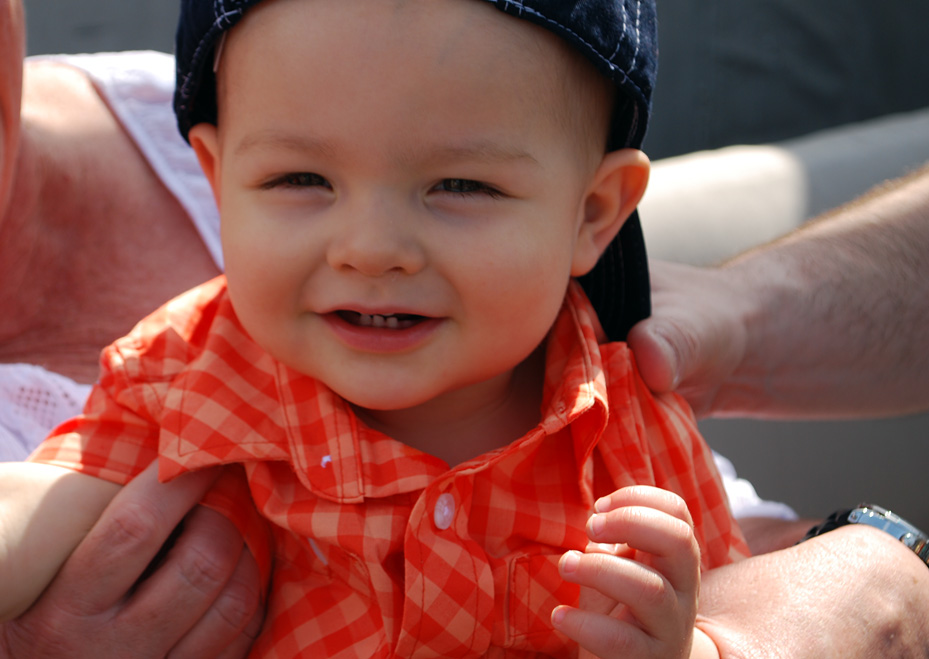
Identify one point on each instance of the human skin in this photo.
(434, 199)
(432, 218)
(12, 45)
(644, 607)
(855, 592)
(829, 322)
(879, 588)
(90, 241)
(202, 601)
(78, 268)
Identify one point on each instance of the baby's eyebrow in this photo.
(487, 151)
(275, 139)
(479, 150)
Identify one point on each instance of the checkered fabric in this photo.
(370, 548)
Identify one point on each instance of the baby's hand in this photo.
(640, 577)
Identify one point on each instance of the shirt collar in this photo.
(297, 418)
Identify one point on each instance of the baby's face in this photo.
(400, 204)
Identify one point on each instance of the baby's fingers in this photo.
(645, 495)
(650, 597)
(602, 635)
(668, 539)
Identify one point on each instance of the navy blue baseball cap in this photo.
(618, 36)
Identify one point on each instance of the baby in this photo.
(412, 373)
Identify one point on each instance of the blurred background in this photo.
(834, 85)
(89, 26)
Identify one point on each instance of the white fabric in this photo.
(744, 500)
(138, 86)
(32, 402)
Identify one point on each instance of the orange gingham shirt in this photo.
(371, 548)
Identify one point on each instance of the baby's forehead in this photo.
(455, 38)
(616, 36)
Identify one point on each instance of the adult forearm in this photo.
(854, 592)
(837, 314)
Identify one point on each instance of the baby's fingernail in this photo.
(602, 505)
(558, 615)
(570, 560)
(595, 525)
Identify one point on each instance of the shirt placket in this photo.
(449, 589)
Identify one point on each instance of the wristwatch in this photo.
(880, 518)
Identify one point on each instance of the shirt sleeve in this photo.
(654, 440)
(117, 437)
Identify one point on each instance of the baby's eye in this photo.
(464, 186)
(299, 180)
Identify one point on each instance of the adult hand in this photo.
(696, 336)
(201, 600)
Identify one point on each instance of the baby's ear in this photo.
(204, 139)
(614, 192)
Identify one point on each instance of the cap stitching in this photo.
(619, 44)
(638, 34)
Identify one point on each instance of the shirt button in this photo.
(444, 511)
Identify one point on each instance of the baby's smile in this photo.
(388, 321)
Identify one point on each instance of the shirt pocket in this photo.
(534, 589)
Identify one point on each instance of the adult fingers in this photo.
(227, 611)
(83, 613)
(197, 597)
(240, 647)
(129, 534)
(695, 337)
(655, 355)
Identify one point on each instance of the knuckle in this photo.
(652, 591)
(45, 637)
(134, 525)
(615, 644)
(204, 571)
(678, 508)
(238, 604)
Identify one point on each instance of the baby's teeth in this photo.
(375, 320)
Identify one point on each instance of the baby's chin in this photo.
(400, 403)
